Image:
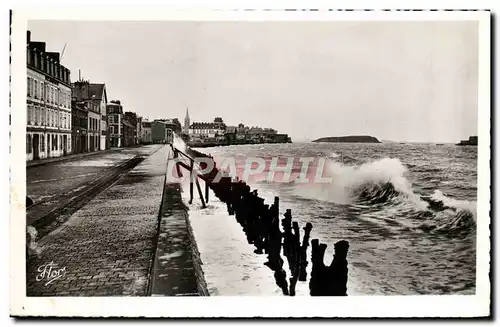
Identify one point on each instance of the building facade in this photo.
(174, 124)
(79, 126)
(95, 99)
(161, 132)
(129, 133)
(146, 132)
(206, 129)
(139, 130)
(48, 103)
(130, 118)
(115, 121)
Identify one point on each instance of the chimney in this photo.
(53, 55)
(40, 46)
(28, 37)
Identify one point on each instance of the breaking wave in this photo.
(382, 185)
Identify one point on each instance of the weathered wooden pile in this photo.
(261, 224)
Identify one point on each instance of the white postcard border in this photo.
(351, 306)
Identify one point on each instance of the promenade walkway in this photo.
(107, 247)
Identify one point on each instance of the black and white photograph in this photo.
(191, 160)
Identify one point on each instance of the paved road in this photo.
(106, 248)
(51, 184)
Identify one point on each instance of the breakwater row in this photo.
(261, 225)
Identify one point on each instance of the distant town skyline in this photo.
(398, 81)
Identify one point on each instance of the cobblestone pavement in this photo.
(105, 248)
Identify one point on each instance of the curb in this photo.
(35, 163)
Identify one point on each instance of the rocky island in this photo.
(471, 141)
(349, 139)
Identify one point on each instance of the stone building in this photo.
(48, 103)
(161, 132)
(115, 122)
(79, 126)
(95, 98)
(131, 135)
(129, 132)
(139, 130)
(207, 130)
(146, 132)
(173, 123)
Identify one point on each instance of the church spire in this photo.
(186, 122)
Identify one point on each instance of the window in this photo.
(32, 115)
(28, 86)
(41, 91)
(60, 142)
(42, 116)
(37, 115)
(42, 142)
(36, 89)
(28, 143)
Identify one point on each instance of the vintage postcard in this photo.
(295, 163)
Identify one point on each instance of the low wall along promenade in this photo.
(261, 224)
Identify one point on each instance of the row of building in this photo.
(65, 117)
(218, 133)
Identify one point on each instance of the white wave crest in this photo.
(470, 206)
(346, 179)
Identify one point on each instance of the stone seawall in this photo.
(197, 263)
(177, 268)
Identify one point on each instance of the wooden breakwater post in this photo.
(329, 280)
(261, 225)
(303, 253)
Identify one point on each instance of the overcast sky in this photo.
(400, 81)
